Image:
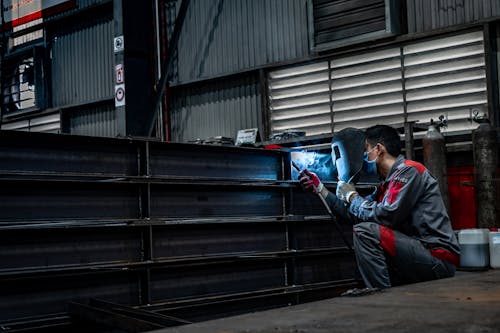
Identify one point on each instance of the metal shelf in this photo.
(136, 222)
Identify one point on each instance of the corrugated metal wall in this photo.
(96, 121)
(89, 3)
(426, 15)
(82, 65)
(221, 108)
(221, 37)
(80, 4)
(81, 72)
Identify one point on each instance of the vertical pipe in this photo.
(408, 126)
(167, 66)
(266, 130)
(160, 129)
(330, 97)
(409, 140)
(434, 150)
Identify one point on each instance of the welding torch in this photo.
(328, 209)
(323, 200)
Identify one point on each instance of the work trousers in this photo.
(387, 257)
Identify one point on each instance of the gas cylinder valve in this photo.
(443, 122)
(480, 119)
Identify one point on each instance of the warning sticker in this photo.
(118, 44)
(119, 74)
(119, 95)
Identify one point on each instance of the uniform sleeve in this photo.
(340, 209)
(402, 193)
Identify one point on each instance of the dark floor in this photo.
(469, 302)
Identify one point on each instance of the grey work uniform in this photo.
(402, 234)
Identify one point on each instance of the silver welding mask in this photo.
(348, 146)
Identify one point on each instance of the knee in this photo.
(364, 229)
(366, 234)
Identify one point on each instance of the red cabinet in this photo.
(461, 197)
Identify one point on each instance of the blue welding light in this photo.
(319, 163)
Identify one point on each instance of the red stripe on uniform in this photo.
(381, 192)
(387, 240)
(393, 192)
(419, 166)
(445, 256)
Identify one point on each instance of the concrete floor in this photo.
(469, 302)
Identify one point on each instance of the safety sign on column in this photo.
(119, 95)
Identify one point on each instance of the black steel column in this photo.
(3, 43)
(134, 64)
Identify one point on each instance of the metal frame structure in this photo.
(176, 230)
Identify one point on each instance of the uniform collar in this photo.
(397, 163)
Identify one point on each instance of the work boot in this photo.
(355, 292)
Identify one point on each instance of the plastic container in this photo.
(474, 248)
(495, 249)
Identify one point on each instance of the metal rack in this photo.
(158, 230)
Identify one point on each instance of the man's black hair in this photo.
(386, 135)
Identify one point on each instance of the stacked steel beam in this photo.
(177, 231)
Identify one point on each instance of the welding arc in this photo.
(329, 210)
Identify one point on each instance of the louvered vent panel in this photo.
(447, 77)
(444, 76)
(367, 89)
(341, 22)
(49, 123)
(300, 99)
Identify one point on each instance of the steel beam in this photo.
(135, 222)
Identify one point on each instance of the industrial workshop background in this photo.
(117, 68)
(193, 71)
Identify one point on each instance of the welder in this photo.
(402, 232)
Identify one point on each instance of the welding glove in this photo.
(345, 191)
(310, 181)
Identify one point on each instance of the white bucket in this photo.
(495, 249)
(474, 248)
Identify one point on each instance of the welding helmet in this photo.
(348, 146)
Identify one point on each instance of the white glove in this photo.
(345, 191)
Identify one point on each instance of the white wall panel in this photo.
(446, 77)
(300, 99)
(415, 82)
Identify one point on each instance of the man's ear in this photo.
(381, 148)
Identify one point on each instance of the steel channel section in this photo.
(139, 222)
(55, 154)
(210, 308)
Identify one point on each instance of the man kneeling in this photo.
(402, 232)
